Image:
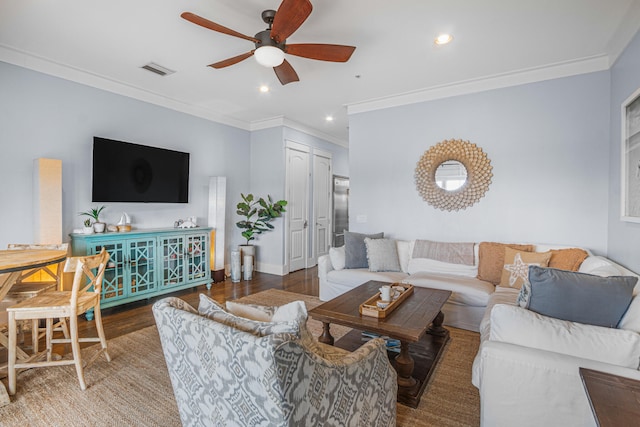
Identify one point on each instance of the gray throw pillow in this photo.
(355, 250)
(382, 254)
(580, 297)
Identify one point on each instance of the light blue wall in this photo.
(44, 116)
(624, 237)
(549, 147)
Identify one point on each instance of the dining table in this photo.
(13, 263)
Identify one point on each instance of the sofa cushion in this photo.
(355, 250)
(516, 325)
(426, 265)
(516, 266)
(382, 254)
(631, 319)
(491, 260)
(353, 277)
(337, 257)
(501, 295)
(464, 290)
(567, 259)
(580, 297)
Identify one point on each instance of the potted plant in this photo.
(94, 213)
(88, 227)
(257, 215)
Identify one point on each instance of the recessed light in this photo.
(443, 39)
(329, 118)
(264, 89)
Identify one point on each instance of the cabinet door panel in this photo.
(142, 255)
(196, 257)
(115, 274)
(172, 253)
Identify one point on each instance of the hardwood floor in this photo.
(131, 317)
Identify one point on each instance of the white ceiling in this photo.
(496, 43)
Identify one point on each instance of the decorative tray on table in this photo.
(400, 292)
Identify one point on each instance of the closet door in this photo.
(297, 170)
(321, 203)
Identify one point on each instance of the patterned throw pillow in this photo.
(382, 254)
(516, 266)
(491, 260)
(214, 311)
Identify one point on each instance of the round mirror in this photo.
(451, 175)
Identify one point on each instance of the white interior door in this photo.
(297, 157)
(321, 203)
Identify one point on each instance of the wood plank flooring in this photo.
(131, 317)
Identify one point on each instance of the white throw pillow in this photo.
(426, 265)
(597, 262)
(382, 254)
(293, 311)
(405, 249)
(337, 257)
(516, 325)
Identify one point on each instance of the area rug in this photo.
(135, 390)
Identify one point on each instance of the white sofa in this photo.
(526, 369)
(527, 366)
(469, 298)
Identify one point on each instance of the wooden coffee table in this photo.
(614, 400)
(416, 321)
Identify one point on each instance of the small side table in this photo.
(614, 400)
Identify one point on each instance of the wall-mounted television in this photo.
(126, 172)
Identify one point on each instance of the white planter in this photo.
(87, 230)
(99, 227)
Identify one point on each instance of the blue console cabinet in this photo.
(146, 263)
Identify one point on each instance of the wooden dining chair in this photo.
(34, 282)
(65, 306)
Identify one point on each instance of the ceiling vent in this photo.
(158, 69)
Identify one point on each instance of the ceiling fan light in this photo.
(269, 56)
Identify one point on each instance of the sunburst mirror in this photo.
(453, 174)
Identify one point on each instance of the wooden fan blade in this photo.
(198, 20)
(286, 73)
(231, 61)
(322, 52)
(290, 15)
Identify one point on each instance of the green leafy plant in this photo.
(87, 222)
(93, 213)
(257, 214)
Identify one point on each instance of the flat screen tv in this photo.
(125, 172)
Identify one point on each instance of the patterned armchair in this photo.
(224, 376)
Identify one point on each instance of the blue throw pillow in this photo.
(580, 297)
(355, 251)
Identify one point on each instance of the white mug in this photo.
(385, 293)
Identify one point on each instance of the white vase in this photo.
(247, 267)
(235, 266)
(248, 250)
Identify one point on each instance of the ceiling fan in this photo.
(270, 44)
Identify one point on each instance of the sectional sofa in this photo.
(526, 369)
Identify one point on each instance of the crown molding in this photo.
(76, 75)
(520, 77)
(285, 122)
